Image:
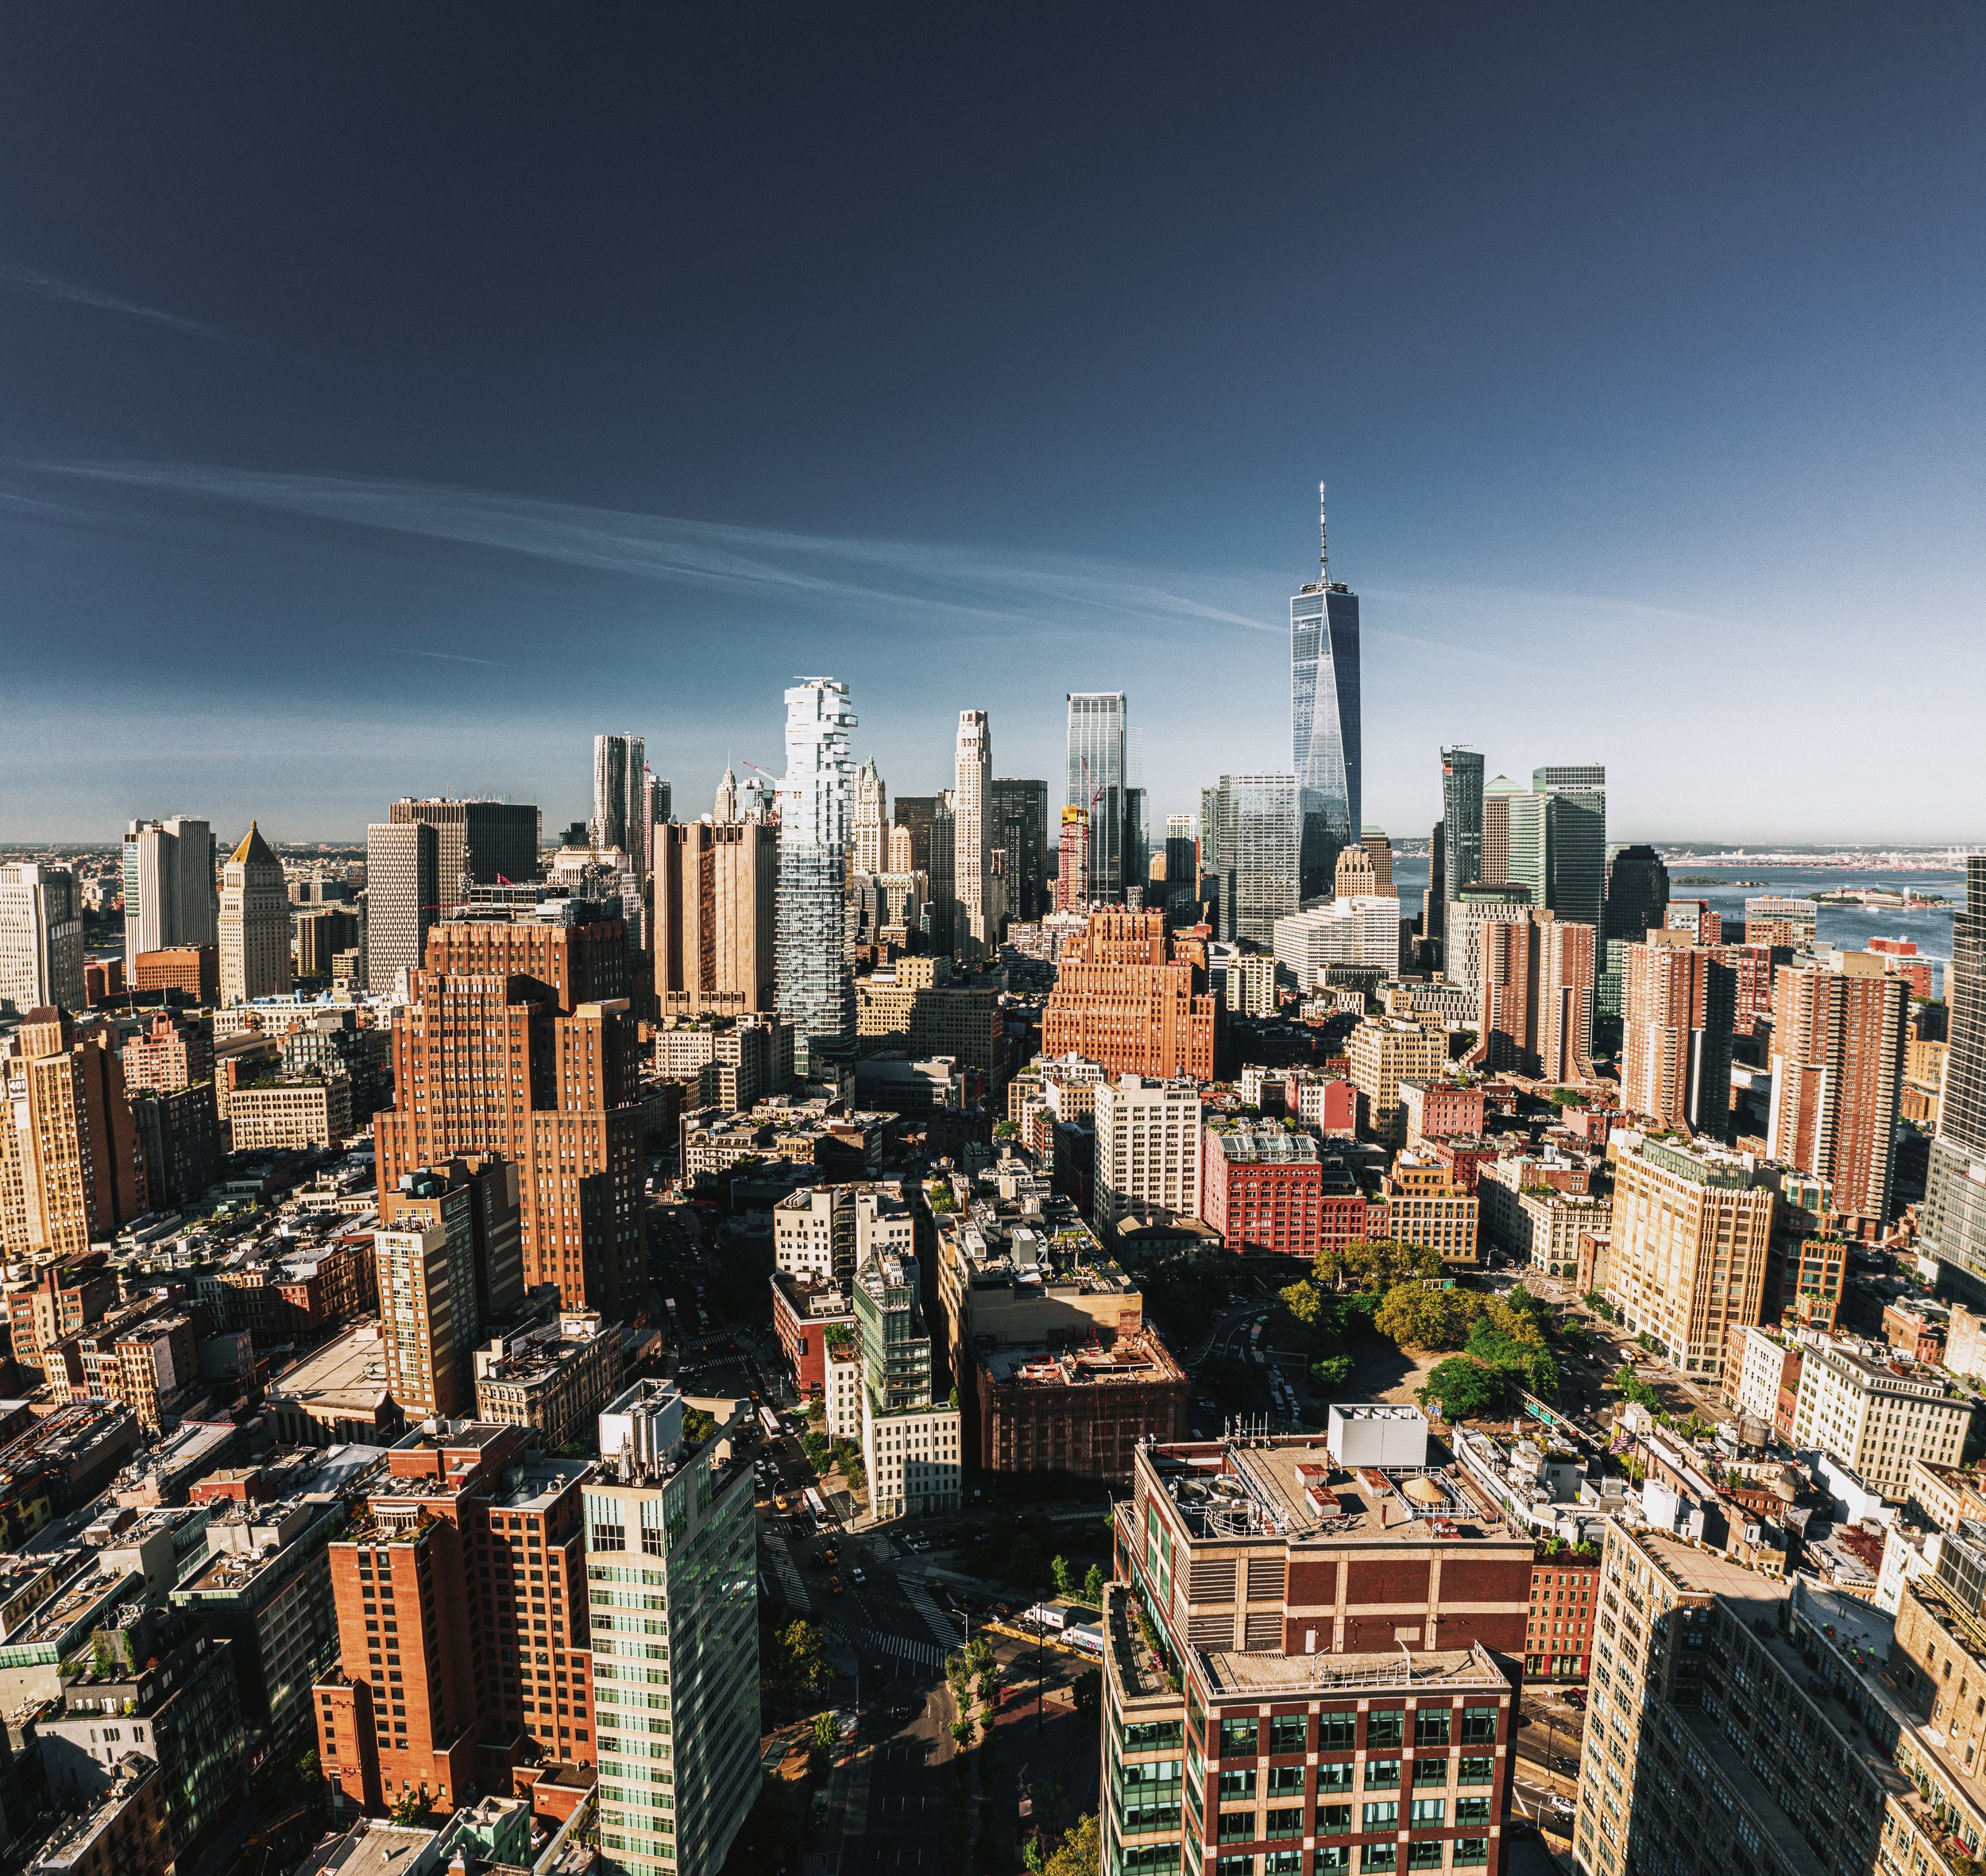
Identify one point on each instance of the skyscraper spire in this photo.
(1323, 547)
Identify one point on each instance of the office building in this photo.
(1535, 996)
(1469, 909)
(321, 932)
(976, 920)
(1557, 841)
(716, 895)
(168, 884)
(671, 1548)
(1258, 854)
(1786, 923)
(1182, 869)
(1496, 797)
(1461, 815)
(1347, 930)
(1262, 1188)
(1095, 782)
(254, 922)
(1637, 893)
(1695, 916)
(191, 973)
(869, 840)
(476, 843)
(1676, 1037)
(1305, 1667)
(1691, 1233)
(1953, 1223)
(620, 782)
(658, 810)
(40, 939)
(555, 1377)
(282, 1113)
(923, 841)
(1021, 824)
(817, 803)
(1383, 1052)
(178, 1138)
(403, 895)
(1839, 1035)
(1126, 999)
(460, 1593)
(1876, 1418)
(1148, 1150)
(515, 1044)
(1324, 728)
(71, 1168)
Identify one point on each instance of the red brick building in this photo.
(1262, 1188)
(172, 1053)
(193, 970)
(805, 1315)
(1448, 1109)
(462, 1633)
(1127, 999)
(1078, 1412)
(1559, 1631)
(1464, 1154)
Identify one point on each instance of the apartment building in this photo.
(1878, 1416)
(553, 1378)
(1425, 1206)
(1147, 1149)
(1383, 1052)
(824, 1234)
(1691, 1230)
(1130, 999)
(1262, 1188)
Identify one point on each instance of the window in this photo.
(1476, 1771)
(1471, 1852)
(1430, 1811)
(1152, 1735)
(1290, 1734)
(1382, 1774)
(1333, 1820)
(1472, 1810)
(1432, 1729)
(1382, 1814)
(1285, 1823)
(1337, 1732)
(1283, 1862)
(1285, 1782)
(1335, 1776)
(1233, 1865)
(1430, 1771)
(1386, 1727)
(1378, 1856)
(1333, 1859)
(1478, 1726)
(1237, 1739)
(1238, 1782)
(1424, 1856)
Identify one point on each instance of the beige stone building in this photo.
(1384, 1052)
(254, 922)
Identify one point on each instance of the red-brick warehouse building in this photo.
(1262, 1188)
(1079, 1412)
(1565, 1587)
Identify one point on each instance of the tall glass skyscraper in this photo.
(1096, 783)
(1953, 1229)
(1462, 816)
(1323, 719)
(1558, 840)
(817, 812)
(1257, 856)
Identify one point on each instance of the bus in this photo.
(770, 1420)
(817, 1504)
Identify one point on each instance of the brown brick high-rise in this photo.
(517, 1045)
(1125, 999)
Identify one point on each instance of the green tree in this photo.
(1330, 1371)
(698, 1426)
(1093, 1583)
(1087, 1689)
(1063, 1576)
(1081, 1852)
(411, 1808)
(796, 1668)
(1419, 1314)
(1464, 1388)
(827, 1731)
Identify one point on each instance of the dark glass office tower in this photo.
(1462, 814)
(1953, 1228)
(1637, 893)
(1096, 782)
(1020, 827)
(1324, 721)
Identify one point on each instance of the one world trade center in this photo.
(1324, 719)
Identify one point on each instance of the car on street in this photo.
(856, 1575)
(834, 1586)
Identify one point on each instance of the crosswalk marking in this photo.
(927, 1653)
(939, 1624)
(781, 1559)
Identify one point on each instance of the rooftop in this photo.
(1138, 1358)
(347, 1371)
(1435, 1671)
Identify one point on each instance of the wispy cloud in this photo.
(965, 584)
(45, 286)
(453, 657)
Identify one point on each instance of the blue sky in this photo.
(390, 399)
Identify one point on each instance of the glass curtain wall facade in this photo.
(1954, 1217)
(817, 804)
(1095, 784)
(1324, 726)
(1559, 841)
(620, 776)
(1462, 816)
(1258, 856)
(672, 1586)
(1020, 818)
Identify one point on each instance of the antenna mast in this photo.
(1324, 550)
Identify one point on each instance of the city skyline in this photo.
(444, 478)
